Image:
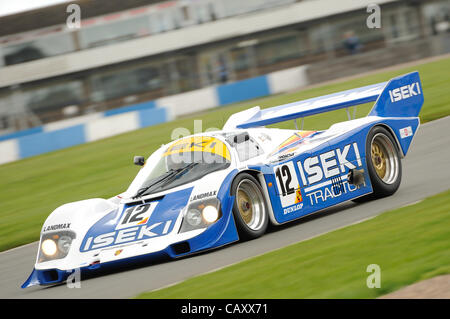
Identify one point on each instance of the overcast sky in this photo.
(14, 6)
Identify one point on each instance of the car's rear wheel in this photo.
(383, 163)
(249, 208)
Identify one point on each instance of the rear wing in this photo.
(400, 97)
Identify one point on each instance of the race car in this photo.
(211, 189)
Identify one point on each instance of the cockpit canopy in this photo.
(182, 162)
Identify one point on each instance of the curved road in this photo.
(425, 172)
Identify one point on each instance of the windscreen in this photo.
(184, 161)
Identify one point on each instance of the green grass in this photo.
(32, 188)
(409, 244)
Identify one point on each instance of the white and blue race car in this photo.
(211, 189)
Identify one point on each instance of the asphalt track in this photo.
(425, 172)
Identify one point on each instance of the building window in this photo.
(37, 49)
(278, 50)
(114, 32)
(54, 96)
(125, 82)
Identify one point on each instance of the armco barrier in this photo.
(50, 141)
(213, 96)
(130, 108)
(243, 90)
(44, 142)
(93, 127)
(30, 131)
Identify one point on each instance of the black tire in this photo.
(244, 186)
(383, 184)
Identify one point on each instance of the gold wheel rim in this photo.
(245, 206)
(379, 159)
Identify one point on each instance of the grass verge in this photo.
(409, 244)
(32, 188)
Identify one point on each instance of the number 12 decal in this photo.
(136, 215)
(287, 183)
(284, 179)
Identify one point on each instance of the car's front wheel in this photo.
(249, 208)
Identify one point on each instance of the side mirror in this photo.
(139, 160)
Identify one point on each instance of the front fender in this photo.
(77, 215)
(74, 217)
(224, 231)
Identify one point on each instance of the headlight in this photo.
(55, 245)
(194, 217)
(49, 247)
(201, 214)
(64, 243)
(210, 214)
